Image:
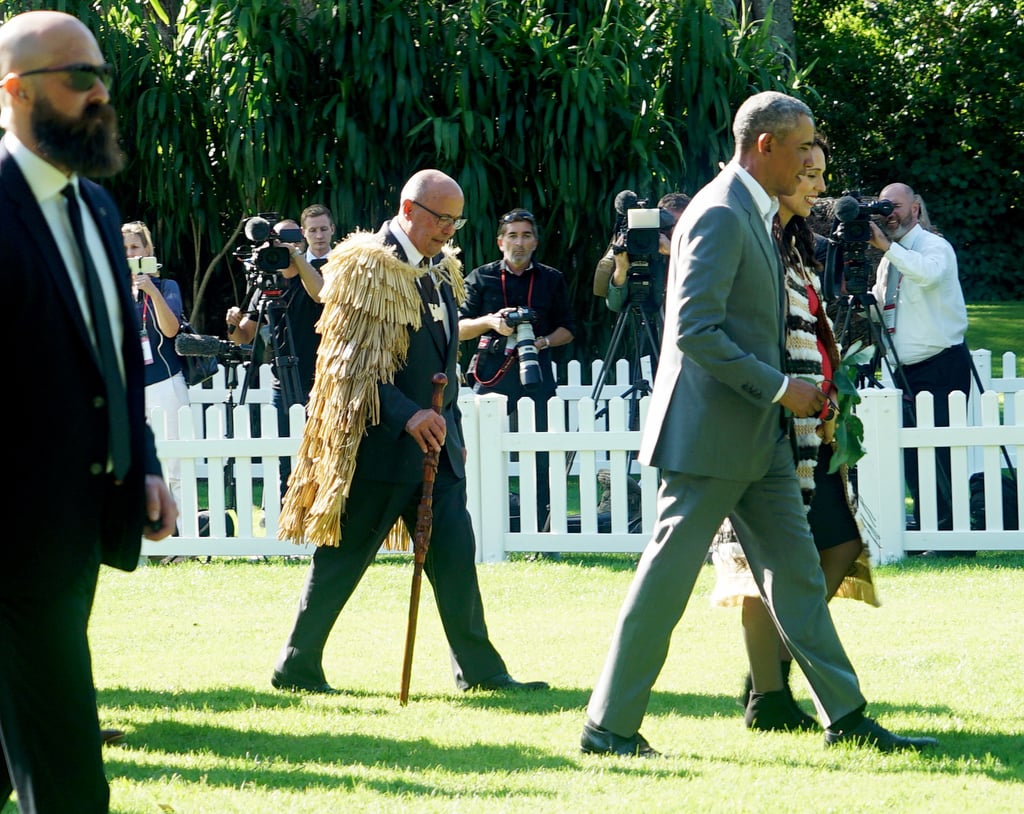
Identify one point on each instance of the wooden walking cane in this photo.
(421, 540)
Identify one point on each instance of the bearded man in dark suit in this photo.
(389, 324)
(87, 481)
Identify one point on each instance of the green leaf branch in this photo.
(849, 431)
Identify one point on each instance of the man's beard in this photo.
(900, 229)
(87, 145)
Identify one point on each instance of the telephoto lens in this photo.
(529, 366)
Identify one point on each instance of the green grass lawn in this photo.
(998, 327)
(183, 655)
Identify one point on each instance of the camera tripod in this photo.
(230, 365)
(644, 328)
(274, 313)
(645, 339)
(865, 302)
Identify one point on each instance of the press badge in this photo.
(889, 317)
(147, 351)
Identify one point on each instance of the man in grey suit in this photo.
(718, 430)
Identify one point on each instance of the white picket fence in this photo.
(583, 437)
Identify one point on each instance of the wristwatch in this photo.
(547, 343)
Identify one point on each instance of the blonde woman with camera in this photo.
(159, 307)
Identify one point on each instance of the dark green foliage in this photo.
(930, 93)
(238, 108)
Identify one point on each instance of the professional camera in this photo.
(265, 257)
(522, 320)
(853, 217)
(851, 233)
(641, 228)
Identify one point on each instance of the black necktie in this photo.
(429, 289)
(117, 401)
(318, 262)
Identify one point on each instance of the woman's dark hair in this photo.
(796, 240)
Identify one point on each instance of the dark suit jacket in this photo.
(66, 511)
(388, 453)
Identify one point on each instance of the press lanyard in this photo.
(529, 291)
(147, 351)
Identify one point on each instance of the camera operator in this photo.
(672, 206)
(506, 287)
(300, 302)
(918, 289)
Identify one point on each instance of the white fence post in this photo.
(492, 506)
(880, 474)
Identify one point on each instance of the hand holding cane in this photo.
(421, 540)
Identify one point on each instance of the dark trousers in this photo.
(942, 374)
(48, 724)
(371, 510)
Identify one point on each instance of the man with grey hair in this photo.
(718, 430)
(925, 316)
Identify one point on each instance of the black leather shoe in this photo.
(279, 683)
(111, 736)
(870, 733)
(596, 740)
(503, 681)
(776, 711)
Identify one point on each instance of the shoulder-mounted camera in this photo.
(266, 256)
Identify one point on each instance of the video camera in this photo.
(641, 226)
(265, 256)
(848, 240)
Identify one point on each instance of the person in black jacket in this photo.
(87, 484)
(501, 298)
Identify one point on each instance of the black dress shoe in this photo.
(503, 681)
(111, 736)
(776, 711)
(870, 733)
(596, 740)
(279, 683)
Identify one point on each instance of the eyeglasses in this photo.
(517, 215)
(444, 221)
(81, 77)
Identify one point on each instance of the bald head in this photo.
(427, 183)
(430, 210)
(54, 95)
(905, 210)
(36, 38)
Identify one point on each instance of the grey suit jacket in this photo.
(721, 357)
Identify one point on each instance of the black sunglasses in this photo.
(517, 215)
(444, 221)
(81, 77)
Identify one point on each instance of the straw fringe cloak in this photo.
(371, 303)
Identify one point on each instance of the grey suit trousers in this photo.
(769, 519)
